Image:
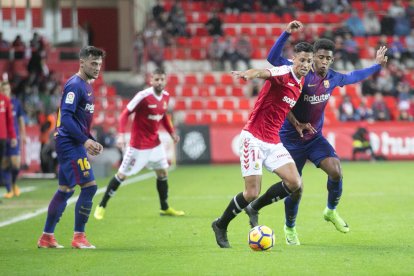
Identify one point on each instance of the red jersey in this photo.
(149, 112)
(6, 118)
(277, 97)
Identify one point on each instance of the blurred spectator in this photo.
(213, 25)
(387, 25)
(385, 82)
(48, 162)
(409, 11)
(346, 110)
(244, 50)
(371, 23)
(341, 56)
(232, 6)
(36, 65)
(361, 143)
(87, 27)
(335, 6)
(352, 50)
(369, 86)
(409, 42)
(18, 47)
(254, 87)
(396, 9)
(3, 43)
(152, 30)
(230, 53)
(272, 6)
(363, 112)
(380, 109)
(397, 49)
(139, 48)
(157, 10)
(179, 23)
(355, 24)
(155, 49)
(215, 54)
(246, 5)
(402, 25)
(312, 5)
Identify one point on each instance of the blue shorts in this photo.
(74, 166)
(12, 151)
(315, 150)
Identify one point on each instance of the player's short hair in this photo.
(303, 47)
(324, 44)
(158, 71)
(87, 51)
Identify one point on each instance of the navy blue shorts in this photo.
(74, 166)
(315, 150)
(11, 151)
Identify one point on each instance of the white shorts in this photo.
(254, 153)
(135, 160)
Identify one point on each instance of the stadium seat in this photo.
(209, 79)
(247, 31)
(191, 118)
(204, 91)
(230, 31)
(239, 117)
(190, 79)
(261, 31)
(237, 92)
(196, 104)
(172, 79)
(229, 104)
(227, 79)
(212, 104)
(220, 91)
(246, 17)
(188, 91)
(244, 104)
(222, 118)
(207, 118)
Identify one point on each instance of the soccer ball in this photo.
(261, 238)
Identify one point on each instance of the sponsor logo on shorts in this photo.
(283, 155)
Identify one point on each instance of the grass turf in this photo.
(134, 240)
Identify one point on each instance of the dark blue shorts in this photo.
(74, 166)
(314, 150)
(11, 151)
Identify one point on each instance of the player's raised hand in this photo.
(381, 58)
(294, 26)
(175, 138)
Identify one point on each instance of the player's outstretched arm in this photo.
(300, 127)
(252, 74)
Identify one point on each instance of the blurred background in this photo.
(198, 43)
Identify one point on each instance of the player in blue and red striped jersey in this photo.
(149, 107)
(73, 142)
(7, 133)
(260, 143)
(11, 163)
(301, 133)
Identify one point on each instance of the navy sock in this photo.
(83, 207)
(162, 188)
(291, 211)
(236, 205)
(334, 193)
(15, 173)
(7, 179)
(110, 190)
(275, 193)
(56, 207)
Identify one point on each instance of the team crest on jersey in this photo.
(70, 98)
(86, 174)
(256, 166)
(326, 83)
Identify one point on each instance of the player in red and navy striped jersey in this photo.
(259, 140)
(145, 150)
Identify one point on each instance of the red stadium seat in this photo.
(246, 17)
(237, 92)
(191, 118)
(188, 91)
(220, 91)
(206, 118)
(229, 104)
(172, 79)
(212, 104)
(209, 79)
(190, 79)
(204, 91)
(222, 118)
(227, 79)
(261, 31)
(244, 104)
(197, 104)
(231, 31)
(247, 31)
(239, 117)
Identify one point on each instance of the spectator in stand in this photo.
(369, 86)
(176, 9)
(157, 10)
(214, 25)
(402, 24)
(335, 6)
(139, 48)
(380, 109)
(244, 50)
(371, 23)
(151, 31)
(155, 48)
(385, 82)
(179, 23)
(355, 24)
(396, 8)
(19, 47)
(352, 50)
(272, 6)
(363, 112)
(411, 108)
(232, 6)
(230, 53)
(387, 25)
(3, 43)
(37, 60)
(215, 54)
(409, 11)
(312, 5)
(409, 42)
(246, 5)
(341, 56)
(397, 49)
(346, 110)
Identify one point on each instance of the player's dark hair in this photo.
(158, 71)
(87, 51)
(303, 47)
(324, 44)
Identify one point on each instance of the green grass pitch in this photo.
(133, 239)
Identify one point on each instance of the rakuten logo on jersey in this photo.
(314, 99)
(90, 108)
(290, 101)
(156, 117)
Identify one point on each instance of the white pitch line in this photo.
(72, 200)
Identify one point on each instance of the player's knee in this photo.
(251, 194)
(294, 183)
(336, 175)
(297, 195)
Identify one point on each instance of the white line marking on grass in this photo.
(24, 190)
(72, 200)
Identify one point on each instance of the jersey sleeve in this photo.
(135, 101)
(275, 55)
(358, 75)
(167, 123)
(70, 100)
